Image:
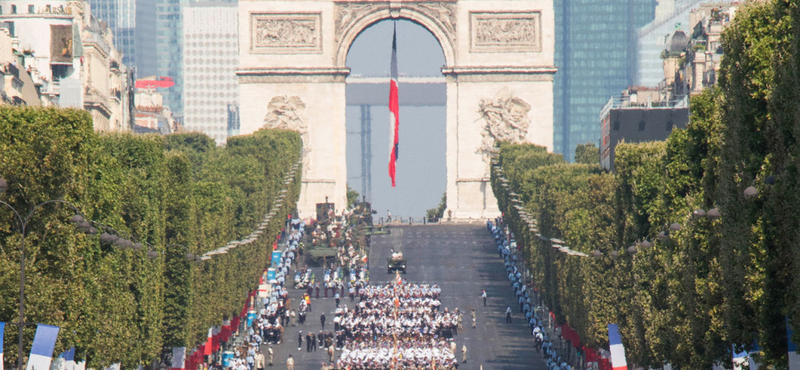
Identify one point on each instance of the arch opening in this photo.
(439, 29)
(421, 167)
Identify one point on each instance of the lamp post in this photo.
(22, 224)
(189, 256)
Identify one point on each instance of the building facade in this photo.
(120, 15)
(692, 60)
(596, 58)
(16, 85)
(638, 115)
(70, 57)
(211, 55)
(104, 78)
(671, 16)
(44, 30)
(152, 116)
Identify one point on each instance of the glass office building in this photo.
(210, 58)
(596, 55)
(169, 48)
(133, 24)
(120, 15)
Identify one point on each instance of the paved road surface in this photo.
(462, 260)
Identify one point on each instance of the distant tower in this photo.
(596, 57)
(133, 25)
(366, 152)
(210, 56)
(169, 47)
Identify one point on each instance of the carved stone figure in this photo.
(505, 32)
(444, 13)
(348, 13)
(505, 118)
(287, 32)
(285, 112)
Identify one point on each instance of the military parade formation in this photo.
(398, 326)
(392, 325)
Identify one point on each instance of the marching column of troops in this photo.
(397, 326)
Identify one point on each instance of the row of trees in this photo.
(176, 195)
(714, 282)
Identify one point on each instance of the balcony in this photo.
(94, 99)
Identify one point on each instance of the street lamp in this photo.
(22, 224)
(189, 256)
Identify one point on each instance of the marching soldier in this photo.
(473, 317)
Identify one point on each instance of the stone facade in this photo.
(70, 55)
(499, 75)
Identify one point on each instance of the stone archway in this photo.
(499, 72)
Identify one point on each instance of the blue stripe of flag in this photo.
(45, 340)
(2, 331)
(70, 355)
(613, 335)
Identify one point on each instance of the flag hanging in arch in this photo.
(394, 109)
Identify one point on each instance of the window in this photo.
(31, 9)
(13, 9)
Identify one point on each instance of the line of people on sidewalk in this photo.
(505, 245)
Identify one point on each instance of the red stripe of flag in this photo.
(394, 108)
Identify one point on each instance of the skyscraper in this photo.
(145, 38)
(169, 48)
(210, 56)
(133, 24)
(596, 55)
(120, 15)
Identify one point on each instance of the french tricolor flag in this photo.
(2, 332)
(394, 109)
(618, 361)
(178, 358)
(42, 349)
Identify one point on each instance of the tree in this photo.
(352, 197)
(587, 154)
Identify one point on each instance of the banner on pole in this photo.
(44, 341)
(2, 332)
(178, 358)
(618, 361)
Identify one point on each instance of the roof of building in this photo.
(677, 42)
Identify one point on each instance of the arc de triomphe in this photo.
(499, 76)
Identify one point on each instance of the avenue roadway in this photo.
(462, 259)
